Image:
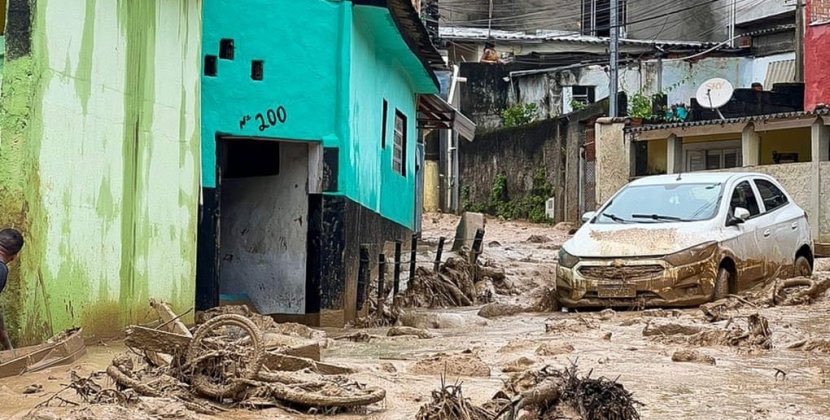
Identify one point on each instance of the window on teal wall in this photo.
(399, 152)
(385, 120)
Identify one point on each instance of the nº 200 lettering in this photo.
(271, 118)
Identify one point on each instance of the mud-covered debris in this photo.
(33, 389)
(607, 314)
(660, 327)
(607, 336)
(551, 393)
(406, 331)
(494, 244)
(388, 367)
(751, 332)
(452, 365)
(779, 292)
(519, 365)
(813, 344)
(662, 313)
(440, 320)
(355, 337)
(692, 356)
(554, 349)
(571, 325)
(495, 310)
(539, 239)
(449, 403)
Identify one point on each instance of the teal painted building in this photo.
(310, 117)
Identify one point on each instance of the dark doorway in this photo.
(253, 227)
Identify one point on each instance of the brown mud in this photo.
(789, 380)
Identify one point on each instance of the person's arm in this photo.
(4, 338)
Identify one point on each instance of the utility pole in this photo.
(615, 55)
(799, 41)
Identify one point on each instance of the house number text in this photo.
(266, 120)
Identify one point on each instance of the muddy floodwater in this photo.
(724, 382)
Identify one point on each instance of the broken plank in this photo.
(169, 319)
(149, 339)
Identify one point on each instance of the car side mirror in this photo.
(739, 215)
(587, 217)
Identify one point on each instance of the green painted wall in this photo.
(299, 43)
(382, 67)
(330, 71)
(99, 164)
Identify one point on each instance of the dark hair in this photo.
(756, 84)
(11, 241)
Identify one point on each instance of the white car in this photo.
(681, 240)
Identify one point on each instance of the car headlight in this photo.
(693, 254)
(567, 260)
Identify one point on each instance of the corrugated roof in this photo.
(459, 33)
(749, 118)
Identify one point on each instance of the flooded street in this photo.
(742, 383)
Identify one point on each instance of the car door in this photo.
(743, 237)
(781, 233)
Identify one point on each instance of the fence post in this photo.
(437, 264)
(477, 244)
(413, 254)
(397, 279)
(362, 276)
(381, 275)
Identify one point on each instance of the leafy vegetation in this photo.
(519, 114)
(530, 207)
(640, 106)
(578, 105)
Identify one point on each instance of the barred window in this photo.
(399, 151)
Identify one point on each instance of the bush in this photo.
(519, 114)
(531, 207)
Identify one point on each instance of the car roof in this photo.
(693, 178)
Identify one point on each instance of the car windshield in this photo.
(663, 203)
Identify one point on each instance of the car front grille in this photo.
(634, 272)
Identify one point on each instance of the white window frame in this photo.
(721, 146)
(399, 144)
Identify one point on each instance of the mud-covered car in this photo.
(681, 240)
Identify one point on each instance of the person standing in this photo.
(11, 241)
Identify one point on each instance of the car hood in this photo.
(638, 240)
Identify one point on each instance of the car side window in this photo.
(743, 196)
(772, 196)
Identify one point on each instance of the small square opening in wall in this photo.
(210, 65)
(257, 69)
(226, 49)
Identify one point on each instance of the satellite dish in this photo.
(714, 93)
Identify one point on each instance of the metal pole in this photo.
(413, 250)
(362, 276)
(381, 275)
(437, 264)
(397, 279)
(799, 42)
(490, 20)
(615, 55)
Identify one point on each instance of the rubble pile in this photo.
(545, 394)
(562, 393)
(457, 283)
(755, 334)
(449, 403)
(227, 362)
(779, 292)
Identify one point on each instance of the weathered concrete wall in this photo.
(707, 22)
(613, 159)
(517, 152)
(816, 59)
(264, 231)
(99, 162)
(824, 199)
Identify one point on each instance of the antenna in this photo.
(714, 93)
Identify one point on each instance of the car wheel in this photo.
(803, 267)
(722, 284)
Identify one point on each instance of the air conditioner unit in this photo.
(550, 207)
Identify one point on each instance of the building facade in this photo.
(816, 57)
(309, 142)
(99, 161)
